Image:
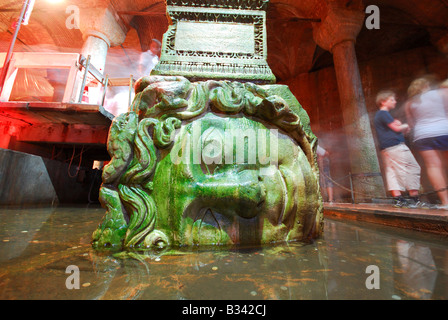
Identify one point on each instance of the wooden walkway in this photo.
(427, 220)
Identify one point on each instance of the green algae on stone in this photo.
(210, 163)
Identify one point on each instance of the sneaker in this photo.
(442, 206)
(401, 203)
(420, 205)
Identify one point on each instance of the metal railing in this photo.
(350, 176)
(105, 81)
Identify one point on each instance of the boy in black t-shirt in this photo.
(401, 169)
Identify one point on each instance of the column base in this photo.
(210, 163)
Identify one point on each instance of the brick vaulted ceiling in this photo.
(405, 24)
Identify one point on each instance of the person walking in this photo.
(323, 158)
(426, 112)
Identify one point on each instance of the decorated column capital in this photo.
(97, 34)
(102, 23)
(339, 25)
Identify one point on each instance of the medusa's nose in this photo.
(242, 191)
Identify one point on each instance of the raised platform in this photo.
(34, 127)
(45, 128)
(57, 122)
(427, 220)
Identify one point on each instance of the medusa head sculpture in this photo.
(209, 163)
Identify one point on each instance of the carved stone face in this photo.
(213, 162)
(230, 180)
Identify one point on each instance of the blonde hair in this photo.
(383, 96)
(417, 87)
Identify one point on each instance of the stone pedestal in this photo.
(216, 40)
(337, 33)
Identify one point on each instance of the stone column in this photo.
(96, 45)
(101, 29)
(337, 33)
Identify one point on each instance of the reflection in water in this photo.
(419, 268)
(37, 246)
(417, 264)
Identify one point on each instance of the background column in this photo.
(101, 30)
(337, 33)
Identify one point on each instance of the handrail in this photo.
(105, 81)
(78, 65)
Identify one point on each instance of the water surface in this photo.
(40, 248)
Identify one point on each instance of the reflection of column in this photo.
(337, 33)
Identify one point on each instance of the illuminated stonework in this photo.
(222, 40)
